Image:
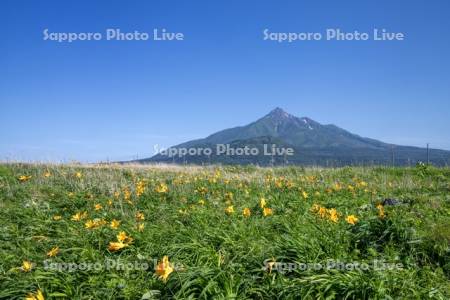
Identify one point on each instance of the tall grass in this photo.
(219, 255)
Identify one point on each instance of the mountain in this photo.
(311, 143)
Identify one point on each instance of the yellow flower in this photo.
(279, 183)
(229, 209)
(315, 207)
(305, 195)
(47, 174)
(337, 186)
(201, 202)
(162, 188)
(78, 175)
(201, 190)
(57, 217)
(53, 252)
(140, 227)
(351, 219)
(267, 211)
(115, 246)
(98, 206)
(114, 224)
(79, 216)
(262, 202)
(35, 296)
(90, 224)
(322, 212)
(123, 237)
(333, 215)
(164, 268)
(246, 212)
(363, 183)
(24, 178)
(139, 216)
(381, 213)
(140, 188)
(26, 266)
(126, 193)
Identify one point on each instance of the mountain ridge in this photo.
(313, 144)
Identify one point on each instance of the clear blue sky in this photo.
(95, 100)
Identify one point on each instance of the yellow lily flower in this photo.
(162, 188)
(26, 266)
(24, 178)
(79, 216)
(246, 212)
(262, 202)
(115, 246)
(114, 224)
(229, 209)
(53, 252)
(351, 219)
(140, 227)
(305, 195)
(139, 216)
(164, 269)
(267, 211)
(333, 215)
(35, 296)
(381, 213)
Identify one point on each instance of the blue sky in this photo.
(95, 100)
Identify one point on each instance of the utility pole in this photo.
(428, 154)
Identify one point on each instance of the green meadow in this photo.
(173, 232)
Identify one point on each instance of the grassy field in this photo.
(130, 232)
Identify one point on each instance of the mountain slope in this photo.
(312, 144)
(301, 132)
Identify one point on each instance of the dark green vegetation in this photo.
(313, 144)
(221, 255)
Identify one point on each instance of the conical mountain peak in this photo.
(313, 142)
(279, 113)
